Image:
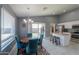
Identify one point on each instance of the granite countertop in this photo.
(64, 33)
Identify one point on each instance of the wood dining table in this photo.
(24, 39)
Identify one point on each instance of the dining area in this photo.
(28, 45)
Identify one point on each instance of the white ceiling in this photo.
(21, 10)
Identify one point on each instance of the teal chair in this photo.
(33, 46)
(40, 40)
(18, 42)
(29, 34)
(20, 45)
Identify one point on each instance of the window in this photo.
(35, 28)
(7, 28)
(38, 28)
(35, 25)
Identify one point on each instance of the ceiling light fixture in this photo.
(32, 21)
(25, 20)
(29, 19)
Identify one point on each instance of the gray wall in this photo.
(43, 19)
(70, 16)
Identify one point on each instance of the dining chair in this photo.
(21, 47)
(29, 34)
(40, 40)
(33, 46)
(18, 42)
(18, 45)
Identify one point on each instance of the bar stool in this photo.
(57, 40)
(53, 39)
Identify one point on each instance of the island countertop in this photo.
(64, 33)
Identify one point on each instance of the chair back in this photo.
(17, 41)
(41, 36)
(40, 40)
(33, 44)
(20, 44)
(29, 34)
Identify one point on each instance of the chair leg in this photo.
(41, 47)
(17, 51)
(36, 53)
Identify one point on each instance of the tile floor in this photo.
(72, 49)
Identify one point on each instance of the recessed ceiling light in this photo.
(64, 10)
(53, 13)
(44, 8)
(28, 8)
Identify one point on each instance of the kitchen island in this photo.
(64, 38)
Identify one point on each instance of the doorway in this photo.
(38, 28)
